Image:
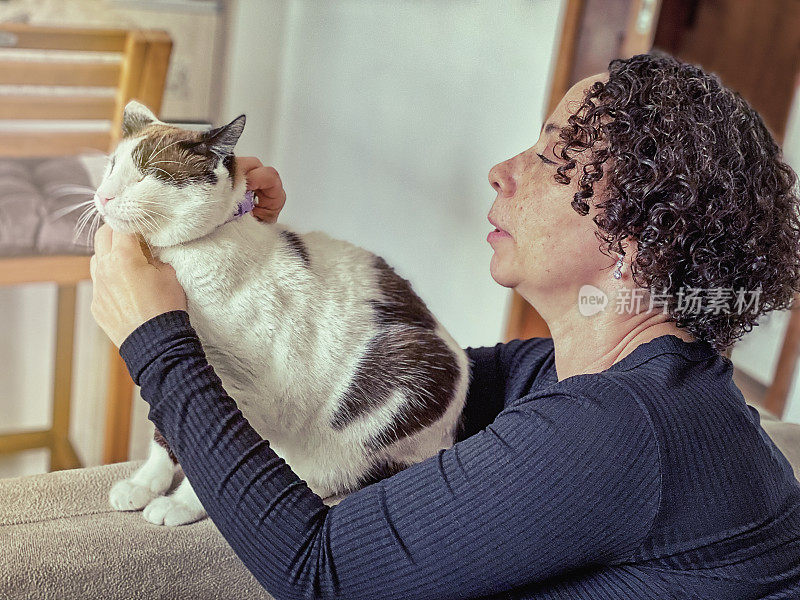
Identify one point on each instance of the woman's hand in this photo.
(128, 289)
(267, 185)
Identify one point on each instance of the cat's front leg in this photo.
(151, 480)
(179, 508)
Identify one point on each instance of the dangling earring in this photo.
(618, 270)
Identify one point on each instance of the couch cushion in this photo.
(21, 212)
(787, 438)
(61, 540)
(40, 206)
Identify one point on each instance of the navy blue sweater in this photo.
(650, 480)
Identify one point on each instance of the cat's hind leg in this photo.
(151, 480)
(179, 508)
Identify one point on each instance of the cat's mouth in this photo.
(122, 224)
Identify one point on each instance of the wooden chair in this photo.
(140, 73)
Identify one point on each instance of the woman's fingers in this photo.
(102, 240)
(127, 246)
(272, 198)
(247, 163)
(266, 182)
(267, 215)
(267, 185)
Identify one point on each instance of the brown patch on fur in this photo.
(400, 304)
(406, 355)
(161, 441)
(166, 153)
(296, 243)
(434, 369)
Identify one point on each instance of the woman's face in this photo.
(544, 247)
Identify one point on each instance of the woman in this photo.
(615, 460)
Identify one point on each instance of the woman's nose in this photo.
(501, 176)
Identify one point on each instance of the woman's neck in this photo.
(581, 350)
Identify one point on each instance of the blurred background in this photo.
(383, 119)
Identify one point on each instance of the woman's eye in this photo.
(545, 159)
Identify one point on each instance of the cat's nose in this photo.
(103, 201)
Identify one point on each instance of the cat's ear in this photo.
(222, 140)
(136, 117)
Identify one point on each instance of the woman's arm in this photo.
(487, 389)
(552, 485)
(490, 369)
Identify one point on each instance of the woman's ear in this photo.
(222, 140)
(136, 117)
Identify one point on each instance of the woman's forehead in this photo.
(574, 96)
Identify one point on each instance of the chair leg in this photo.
(118, 410)
(62, 454)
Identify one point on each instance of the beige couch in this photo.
(59, 539)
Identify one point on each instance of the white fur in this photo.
(284, 338)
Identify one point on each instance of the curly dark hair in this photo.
(695, 177)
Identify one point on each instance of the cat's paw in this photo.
(165, 510)
(126, 495)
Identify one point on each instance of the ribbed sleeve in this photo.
(487, 388)
(556, 482)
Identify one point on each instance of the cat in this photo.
(327, 351)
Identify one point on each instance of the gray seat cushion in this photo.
(39, 209)
(787, 438)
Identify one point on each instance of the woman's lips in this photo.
(497, 234)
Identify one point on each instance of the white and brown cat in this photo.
(328, 353)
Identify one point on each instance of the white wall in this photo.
(384, 118)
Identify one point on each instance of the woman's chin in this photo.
(501, 273)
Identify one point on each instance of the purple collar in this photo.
(245, 206)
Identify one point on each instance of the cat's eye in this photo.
(113, 160)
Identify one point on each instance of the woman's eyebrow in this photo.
(549, 127)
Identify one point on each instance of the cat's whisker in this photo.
(159, 162)
(95, 225)
(68, 189)
(84, 215)
(83, 220)
(152, 156)
(153, 215)
(149, 220)
(80, 229)
(141, 225)
(136, 223)
(172, 177)
(149, 202)
(146, 243)
(68, 209)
